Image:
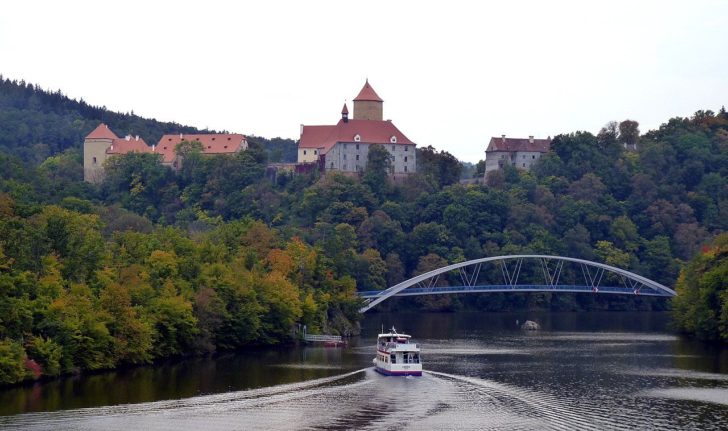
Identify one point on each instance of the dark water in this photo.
(581, 371)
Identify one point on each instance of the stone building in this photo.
(103, 143)
(344, 147)
(517, 152)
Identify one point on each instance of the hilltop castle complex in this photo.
(342, 147)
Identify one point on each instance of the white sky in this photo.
(451, 74)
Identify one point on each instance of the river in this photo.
(581, 371)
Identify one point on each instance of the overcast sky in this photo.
(452, 74)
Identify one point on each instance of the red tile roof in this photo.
(211, 144)
(128, 144)
(315, 136)
(367, 93)
(102, 132)
(519, 144)
(369, 131)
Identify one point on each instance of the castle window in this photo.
(405, 168)
(213, 139)
(406, 147)
(393, 158)
(533, 157)
(393, 140)
(344, 156)
(315, 152)
(228, 138)
(357, 168)
(304, 152)
(332, 165)
(357, 138)
(225, 146)
(94, 160)
(405, 159)
(357, 146)
(357, 157)
(524, 165)
(393, 147)
(208, 147)
(344, 167)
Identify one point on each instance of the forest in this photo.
(151, 264)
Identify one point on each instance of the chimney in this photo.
(153, 146)
(503, 138)
(136, 138)
(301, 129)
(128, 137)
(180, 136)
(530, 139)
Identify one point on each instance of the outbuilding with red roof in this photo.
(520, 153)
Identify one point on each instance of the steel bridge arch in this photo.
(636, 282)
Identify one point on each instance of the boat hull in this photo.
(402, 373)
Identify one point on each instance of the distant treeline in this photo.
(36, 123)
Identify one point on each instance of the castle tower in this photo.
(368, 105)
(94, 152)
(345, 114)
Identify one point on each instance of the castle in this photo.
(344, 147)
(103, 143)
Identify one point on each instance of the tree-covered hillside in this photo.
(151, 263)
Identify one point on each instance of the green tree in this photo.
(379, 166)
(701, 304)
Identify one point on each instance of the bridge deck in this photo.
(417, 291)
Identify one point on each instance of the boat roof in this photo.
(393, 333)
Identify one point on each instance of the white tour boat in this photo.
(396, 356)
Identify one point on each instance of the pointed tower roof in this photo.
(102, 132)
(345, 110)
(367, 93)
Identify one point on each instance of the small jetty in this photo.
(327, 340)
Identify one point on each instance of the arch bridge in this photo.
(542, 273)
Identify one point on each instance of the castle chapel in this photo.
(344, 147)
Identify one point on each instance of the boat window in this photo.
(394, 359)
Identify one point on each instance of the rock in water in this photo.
(530, 325)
